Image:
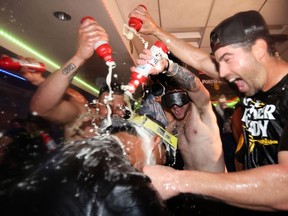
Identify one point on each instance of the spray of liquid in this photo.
(109, 96)
(129, 33)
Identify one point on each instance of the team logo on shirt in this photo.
(256, 118)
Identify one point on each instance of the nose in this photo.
(223, 71)
(175, 106)
(118, 110)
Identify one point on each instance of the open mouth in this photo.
(240, 84)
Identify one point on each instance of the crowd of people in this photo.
(249, 59)
(233, 161)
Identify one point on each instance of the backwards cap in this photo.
(241, 27)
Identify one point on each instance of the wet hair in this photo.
(175, 87)
(118, 125)
(78, 177)
(115, 87)
(159, 82)
(122, 125)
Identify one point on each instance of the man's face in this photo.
(223, 103)
(180, 112)
(133, 149)
(142, 151)
(178, 102)
(117, 105)
(240, 66)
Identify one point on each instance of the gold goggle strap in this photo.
(157, 129)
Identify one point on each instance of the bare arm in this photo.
(48, 100)
(36, 78)
(263, 188)
(192, 84)
(188, 54)
(186, 79)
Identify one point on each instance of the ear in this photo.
(156, 140)
(157, 150)
(259, 49)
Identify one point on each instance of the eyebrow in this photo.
(224, 55)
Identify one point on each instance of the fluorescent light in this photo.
(42, 57)
(13, 75)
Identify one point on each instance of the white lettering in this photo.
(257, 116)
(258, 128)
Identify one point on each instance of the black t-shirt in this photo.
(264, 116)
(90, 177)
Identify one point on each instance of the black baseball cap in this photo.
(241, 27)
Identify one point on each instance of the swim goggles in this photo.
(175, 98)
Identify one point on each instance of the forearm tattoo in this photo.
(70, 68)
(187, 80)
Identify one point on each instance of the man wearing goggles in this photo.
(175, 98)
(189, 101)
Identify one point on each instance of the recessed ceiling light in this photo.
(62, 16)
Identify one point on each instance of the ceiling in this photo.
(53, 41)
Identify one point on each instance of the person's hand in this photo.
(145, 57)
(33, 77)
(89, 33)
(164, 179)
(149, 26)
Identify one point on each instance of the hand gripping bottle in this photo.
(135, 22)
(15, 64)
(141, 72)
(103, 48)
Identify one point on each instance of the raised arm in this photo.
(190, 83)
(48, 100)
(188, 54)
(187, 80)
(36, 78)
